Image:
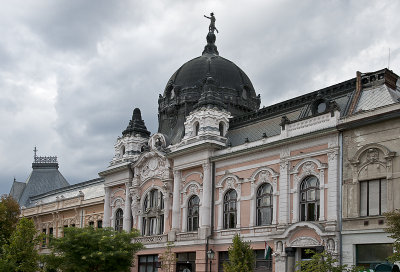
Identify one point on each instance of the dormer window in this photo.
(221, 129)
(196, 128)
(321, 107)
(122, 150)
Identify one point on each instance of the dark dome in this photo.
(223, 71)
(208, 80)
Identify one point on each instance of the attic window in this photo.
(122, 150)
(196, 128)
(245, 92)
(221, 129)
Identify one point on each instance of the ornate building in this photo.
(219, 165)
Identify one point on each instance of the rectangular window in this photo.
(99, 224)
(161, 224)
(152, 225)
(262, 265)
(44, 241)
(303, 212)
(372, 254)
(50, 235)
(144, 226)
(91, 224)
(148, 263)
(373, 197)
(223, 257)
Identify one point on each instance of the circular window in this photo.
(321, 107)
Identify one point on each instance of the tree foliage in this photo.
(168, 258)
(324, 262)
(20, 255)
(89, 249)
(241, 256)
(9, 213)
(393, 222)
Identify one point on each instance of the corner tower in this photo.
(208, 79)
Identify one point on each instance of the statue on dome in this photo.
(212, 27)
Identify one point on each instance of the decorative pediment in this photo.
(264, 174)
(228, 182)
(152, 164)
(372, 161)
(372, 153)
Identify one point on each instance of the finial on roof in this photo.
(136, 125)
(34, 152)
(211, 48)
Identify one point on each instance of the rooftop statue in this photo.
(212, 27)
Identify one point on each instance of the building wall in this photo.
(370, 152)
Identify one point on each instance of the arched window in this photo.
(221, 129)
(309, 199)
(264, 205)
(196, 128)
(119, 219)
(193, 213)
(230, 209)
(153, 213)
(122, 150)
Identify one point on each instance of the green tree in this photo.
(9, 213)
(95, 250)
(20, 255)
(241, 256)
(168, 258)
(324, 262)
(393, 222)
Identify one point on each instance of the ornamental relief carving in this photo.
(304, 242)
(152, 165)
(372, 161)
(308, 168)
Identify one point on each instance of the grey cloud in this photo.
(109, 57)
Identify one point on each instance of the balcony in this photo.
(154, 239)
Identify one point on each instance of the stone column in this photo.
(127, 210)
(107, 208)
(291, 262)
(184, 218)
(284, 202)
(207, 192)
(176, 201)
(333, 186)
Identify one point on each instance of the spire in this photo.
(211, 48)
(136, 125)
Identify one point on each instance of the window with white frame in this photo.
(309, 199)
(193, 213)
(264, 205)
(119, 219)
(153, 213)
(373, 197)
(230, 209)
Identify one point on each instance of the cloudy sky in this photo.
(71, 72)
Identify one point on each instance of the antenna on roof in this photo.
(389, 59)
(34, 152)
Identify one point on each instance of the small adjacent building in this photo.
(371, 167)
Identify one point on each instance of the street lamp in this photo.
(210, 256)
